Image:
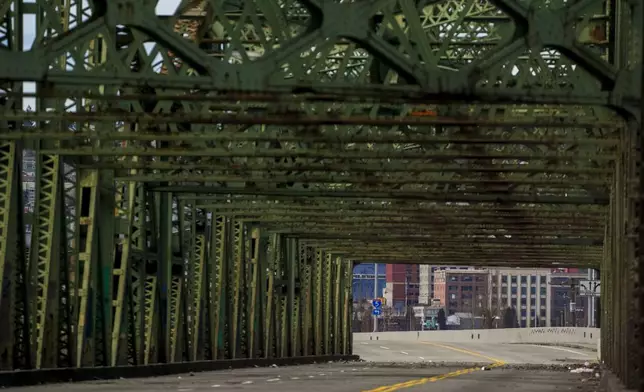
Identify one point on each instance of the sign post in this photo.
(377, 311)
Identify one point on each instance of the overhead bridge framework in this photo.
(205, 182)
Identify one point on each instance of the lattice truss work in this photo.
(205, 181)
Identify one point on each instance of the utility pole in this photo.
(375, 294)
(591, 299)
(574, 300)
(407, 303)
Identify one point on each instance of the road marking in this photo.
(402, 352)
(422, 358)
(464, 351)
(384, 348)
(562, 349)
(412, 383)
(364, 343)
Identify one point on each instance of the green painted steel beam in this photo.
(192, 202)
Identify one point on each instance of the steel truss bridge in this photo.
(204, 182)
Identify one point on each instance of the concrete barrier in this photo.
(510, 335)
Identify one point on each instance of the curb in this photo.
(46, 376)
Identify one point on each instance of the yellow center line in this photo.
(421, 381)
(464, 351)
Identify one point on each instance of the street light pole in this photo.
(375, 295)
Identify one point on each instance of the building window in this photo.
(533, 290)
(504, 279)
(533, 302)
(524, 279)
(480, 278)
(453, 278)
(453, 288)
(466, 288)
(543, 279)
(513, 279)
(542, 290)
(514, 290)
(466, 278)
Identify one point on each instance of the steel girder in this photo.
(205, 181)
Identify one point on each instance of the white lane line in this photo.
(364, 343)
(421, 358)
(563, 349)
(402, 352)
(272, 379)
(247, 382)
(295, 378)
(384, 348)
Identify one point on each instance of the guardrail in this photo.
(509, 335)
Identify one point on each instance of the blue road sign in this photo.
(377, 312)
(376, 303)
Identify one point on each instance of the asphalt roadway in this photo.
(389, 366)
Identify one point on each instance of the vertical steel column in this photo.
(14, 325)
(176, 304)
(197, 280)
(129, 272)
(262, 245)
(218, 294)
(338, 303)
(638, 156)
(164, 277)
(254, 248)
(629, 308)
(149, 287)
(327, 279)
(87, 265)
(236, 260)
(607, 289)
(307, 258)
(293, 299)
(15, 316)
(269, 319)
(282, 298)
(347, 336)
(318, 325)
(271, 328)
(44, 264)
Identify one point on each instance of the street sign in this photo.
(589, 288)
(377, 303)
(377, 312)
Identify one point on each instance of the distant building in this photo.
(426, 277)
(401, 290)
(526, 290)
(462, 291)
